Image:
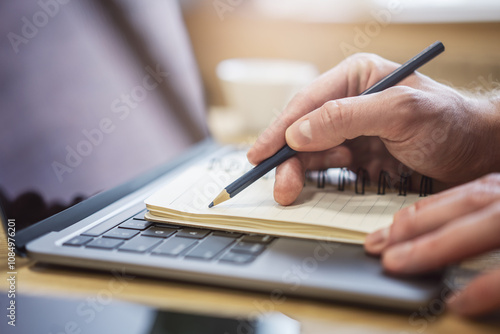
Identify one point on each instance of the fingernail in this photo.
(396, 258)
(299, 134)
(376, 241)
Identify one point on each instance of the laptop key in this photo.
(140, 244)
(194, 233)
(227, 234)
(120, 233)
(159, 231)
(258, 238)
(135, 224)
(168, 225)
(210, 247)
(248, 247)
(174, 246)
(97, 230)
(237, 258)
(79, 240)
(140, 216)
(104, 243)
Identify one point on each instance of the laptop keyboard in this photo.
(138, 235)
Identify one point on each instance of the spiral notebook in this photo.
(335, 204)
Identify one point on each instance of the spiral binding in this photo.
(404, 184)
(344, 172)
(362, 174)
(384, 180)
(344, 176)
(321, 178)
(425, 186)
(363, 177)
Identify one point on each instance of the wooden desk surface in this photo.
(315, 316)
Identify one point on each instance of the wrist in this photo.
(488, 112)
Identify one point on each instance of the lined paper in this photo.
(186, 200)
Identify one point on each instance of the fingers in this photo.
(349, 78)
(432, 212)
(289, 181)
(386, 115)
(467, 236)
(290, 174)
(480, 296)
(310, 98)
(446, 228)
(273, 138)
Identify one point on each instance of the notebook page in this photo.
(194, 189)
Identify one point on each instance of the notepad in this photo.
(318, 213)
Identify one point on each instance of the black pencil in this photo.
(286, 152)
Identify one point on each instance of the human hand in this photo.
(443, 229)
(420, 124)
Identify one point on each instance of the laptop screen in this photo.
(93, 94)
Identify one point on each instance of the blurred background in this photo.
(325, 32)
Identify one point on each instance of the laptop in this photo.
(102, 104)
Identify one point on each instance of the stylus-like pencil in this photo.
(286, 152)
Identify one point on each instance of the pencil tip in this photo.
(222, 197)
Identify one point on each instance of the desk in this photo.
(316, 316)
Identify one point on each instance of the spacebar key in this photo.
(210, 247)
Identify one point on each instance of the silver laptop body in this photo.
(102, 105)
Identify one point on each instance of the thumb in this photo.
(387, 115)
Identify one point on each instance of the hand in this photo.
(421, 124)
(445, 228)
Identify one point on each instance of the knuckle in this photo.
(401, 230)
(406, 96)
(492, 179)
(333, 117)
(300, 101)
(406, 222)
(365, 59)
(419, 205)
(365, 63)
(404, 228)
(409, 103)
(298, 98)
(371, 63)
(481, 193)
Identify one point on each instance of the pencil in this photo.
(286, 152)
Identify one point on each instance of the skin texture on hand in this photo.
(442, 229)
(419, 125)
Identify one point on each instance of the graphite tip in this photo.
(222, 197)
